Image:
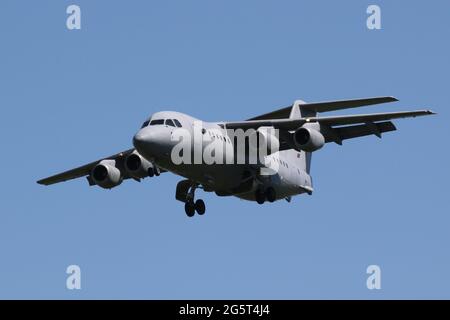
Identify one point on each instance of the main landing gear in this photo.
(262, 195)
(153, 171)
(186, 194)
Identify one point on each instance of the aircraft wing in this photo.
(283, 113)
(348, 132)
(336, 128)
(81, 171)
(292, 124)
(364, 118)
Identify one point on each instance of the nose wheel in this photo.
(191, 206)
(200, 207)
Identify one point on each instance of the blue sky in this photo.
(71, 97)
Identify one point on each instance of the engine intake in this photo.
(106, 175)
(137, 166)
(308, 139)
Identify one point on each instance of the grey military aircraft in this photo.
(299, 132)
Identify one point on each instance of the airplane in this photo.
(300, 132)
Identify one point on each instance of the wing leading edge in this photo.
(327, 106)
(292, 124)
(80, 171)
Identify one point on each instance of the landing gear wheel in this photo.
(260, 197)
(200, 206)
(189, 207)
(150, 172)
(271, 196)
(156, 170)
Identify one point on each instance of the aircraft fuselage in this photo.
(156, 142)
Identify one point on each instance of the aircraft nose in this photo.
(149, 140)
(140, 139)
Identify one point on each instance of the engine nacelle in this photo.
(264, 137)
(308, 139)
(137, 166)
(106, 175)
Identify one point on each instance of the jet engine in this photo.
(308, 139)
(106, 175)
(264, 137)
(137, 166)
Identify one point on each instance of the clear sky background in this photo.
(71, 97)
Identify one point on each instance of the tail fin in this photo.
(298, 112)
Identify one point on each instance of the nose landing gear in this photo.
(200, 207)
(189, 207)
(192, 207)
(186, 194)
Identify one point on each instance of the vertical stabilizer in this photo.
(296, 113)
